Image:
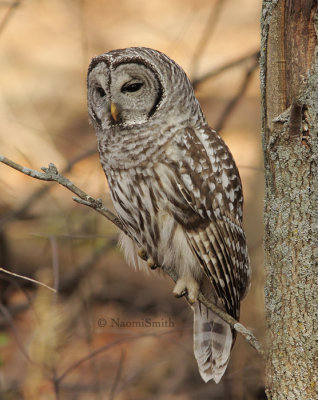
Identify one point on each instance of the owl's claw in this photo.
(187, 286)
(142, 254)
(151, 263)
(183, 293)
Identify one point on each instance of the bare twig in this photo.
(206, 34)
(37, 194)
(68, 284)
(256, 169)
(108, 346)
(237, 326)
(12, 7)
(248, 335)
(117, 376)
(56, 385)
(13, 311)
(71, 281)
(234, 101)
(55, 266)
(241, 60)
(27, 279)
(8, 317)
(51, 174)
(83, 33)
(55, 262)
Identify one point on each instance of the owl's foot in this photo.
(142, 254)
(187, 286)
(151, 263)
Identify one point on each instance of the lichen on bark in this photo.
(289, 85)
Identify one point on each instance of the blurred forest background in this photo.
(67, 346)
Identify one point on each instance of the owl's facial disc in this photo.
(123, 94)
(135, 93)
(98, 94)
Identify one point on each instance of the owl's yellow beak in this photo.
(114, 111)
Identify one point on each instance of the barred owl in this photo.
(175, 187)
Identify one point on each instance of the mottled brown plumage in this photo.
(174, 185)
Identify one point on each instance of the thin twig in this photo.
(241, 60)
(12, 7)
(206, 35)
(13, 311)
(51, 174)
(72, 280)
(105, 348)
(55, 266)
(27, 279)
(56, 385)
(117, 376)
(257, 169)
(248, 335)
(237, 326)
(8, 317)
(37, 194)
(83, 32)
(234, 101)
(69, 283)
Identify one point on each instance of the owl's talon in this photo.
(151, 263)
(187, 286)
(142, 254)
(183, 293)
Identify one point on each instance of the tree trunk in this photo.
(289, 84)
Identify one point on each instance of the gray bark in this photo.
(289, 85)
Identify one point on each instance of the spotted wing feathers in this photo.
(209, 183)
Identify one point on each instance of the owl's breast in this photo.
(142, 199)
(136, 195)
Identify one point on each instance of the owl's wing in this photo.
(208, 182)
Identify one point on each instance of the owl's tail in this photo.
(212, 342)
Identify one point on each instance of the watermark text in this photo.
(147, 322)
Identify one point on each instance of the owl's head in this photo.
(137, 85)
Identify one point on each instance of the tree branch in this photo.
(216, 71)
(234, 101)
(37, 194)
(206, 35)
(27, 279)
(12, 7)
(51, 174)
(237, 326)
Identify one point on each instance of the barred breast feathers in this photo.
(173, 250)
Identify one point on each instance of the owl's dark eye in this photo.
(100, 91)
(131, 87)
